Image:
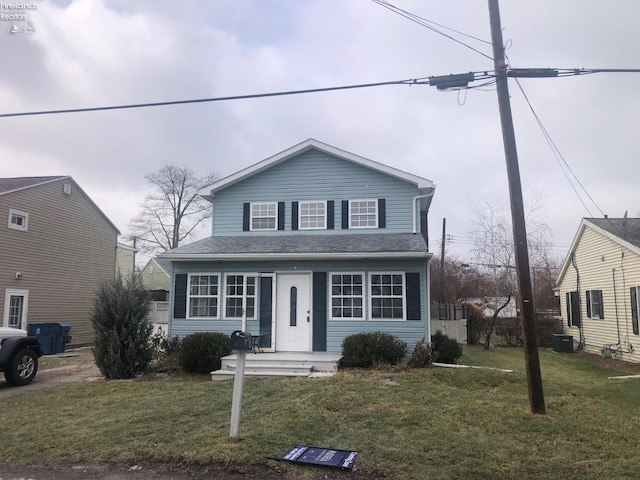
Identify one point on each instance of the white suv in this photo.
(19, 355)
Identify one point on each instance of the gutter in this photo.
(295, 256)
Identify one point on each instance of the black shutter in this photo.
(280, 215)
(382, 214)
(412, 288)
(180, 296)
(245, 217)
(588, 303)
(575, 309)
(319, 311)
(345, 214)
(330, 214)
(599, 293)
(266, 288)
(569, 312)
(294, 215)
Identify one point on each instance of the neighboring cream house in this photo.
(599, 287)
(125, 260)
(156, 278)
(57, 246)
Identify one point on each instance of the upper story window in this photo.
(363, 213)
(264, 216)
(204, 295)
(18, 220)
(595, 308)
(312, 215)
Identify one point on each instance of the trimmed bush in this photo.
(422, 355)
(120, 319)
(201, 352)
(447, 350)
(366, 350)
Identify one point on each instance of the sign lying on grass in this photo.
(322, 457)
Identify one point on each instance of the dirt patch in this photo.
(614, 364)
(52, 377)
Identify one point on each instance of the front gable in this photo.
(315, 182)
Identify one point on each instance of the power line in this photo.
(426, 23)
(416, 81)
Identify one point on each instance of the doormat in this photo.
(321, 457)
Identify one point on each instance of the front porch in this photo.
(278, 365)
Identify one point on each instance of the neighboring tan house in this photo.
(599, 287)
(308, 247)
(56, 248)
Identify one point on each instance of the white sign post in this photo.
(238, 385)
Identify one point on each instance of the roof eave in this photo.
(293, 256)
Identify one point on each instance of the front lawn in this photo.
(433, 423)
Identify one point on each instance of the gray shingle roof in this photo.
(18, 183)
(627, 229)
(164, 264)
(350, 245)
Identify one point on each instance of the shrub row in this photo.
(372, 349)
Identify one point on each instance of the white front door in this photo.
(293, 312)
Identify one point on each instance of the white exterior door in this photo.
(15, 308)
(293, 312)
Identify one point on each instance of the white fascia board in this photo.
(294, 256)
(51, 180)
(207, 192)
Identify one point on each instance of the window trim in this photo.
(188, 315)
(12, 292)
(15, 226)
(363, 296)
(404, 296)
(590, 295)
(254, 296)
(375, 214)
(635, 291)
(252, 216)
(301, 203)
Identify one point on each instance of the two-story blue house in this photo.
(307, 247)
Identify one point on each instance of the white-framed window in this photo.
(387, 291)
(363, 213)
(635, 309)
(347, 296)
(312, 215)
(234, 295)
(15, 308)
(264, 216)
(18, 220)
(595, 309)
(204, 295)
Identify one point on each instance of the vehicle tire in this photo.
(23, 368)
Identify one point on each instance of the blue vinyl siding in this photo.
(409, 331)
(314, 175)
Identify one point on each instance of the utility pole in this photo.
(444, 228)
(532, 361)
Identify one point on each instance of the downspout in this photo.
(580, 331)
(413, 203)
(615, 302)
(626, 310)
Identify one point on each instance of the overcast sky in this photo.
(88, 53)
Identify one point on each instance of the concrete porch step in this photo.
(278, 364)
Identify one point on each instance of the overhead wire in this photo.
(426, 23)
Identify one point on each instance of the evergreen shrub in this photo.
(366, 350)
(120, 319)
(447, 350)
(201, 352)
(422, 356)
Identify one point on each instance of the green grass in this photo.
(435, 423)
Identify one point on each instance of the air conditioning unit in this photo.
(562, 343)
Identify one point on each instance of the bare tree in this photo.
(493, 248)
(173, 211)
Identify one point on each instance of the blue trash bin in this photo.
(48, 334)
(64, 337)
